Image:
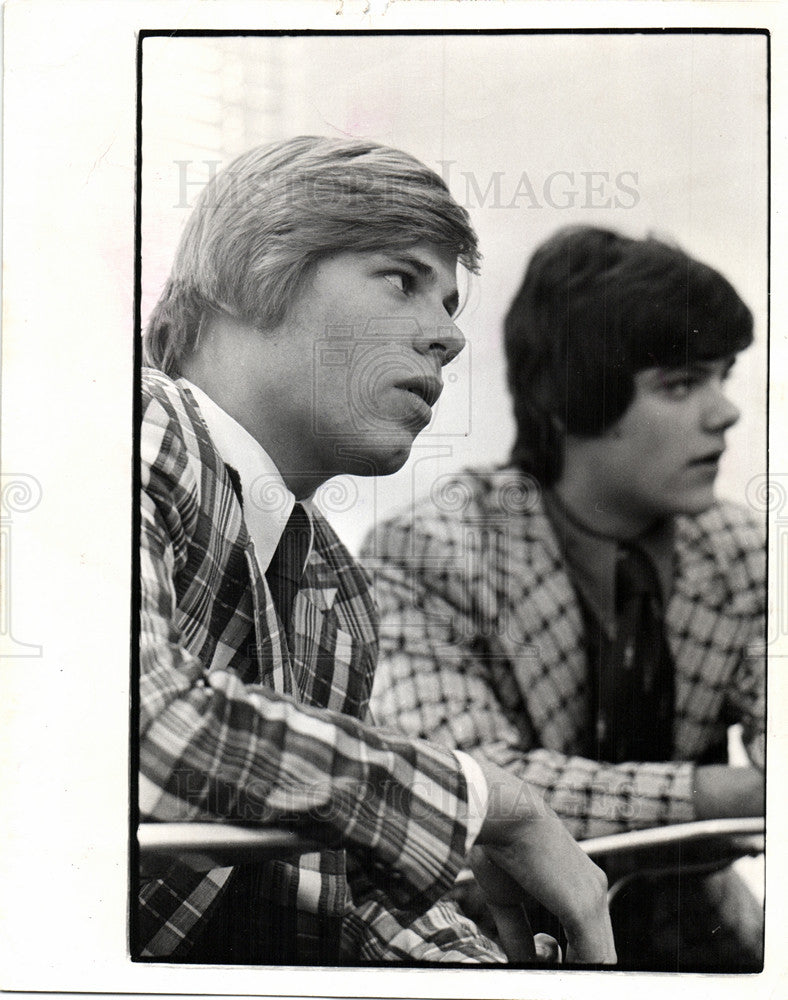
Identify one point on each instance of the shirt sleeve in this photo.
(478, 795)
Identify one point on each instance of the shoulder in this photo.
(175, 446)
(726, 529)
(729, 536)
(166, 403)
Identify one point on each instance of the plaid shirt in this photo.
(238, 723)
(482, 646)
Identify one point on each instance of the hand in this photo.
(724, 792)
(504, 901)
(524, 837)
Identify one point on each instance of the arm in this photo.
(439, 678)
(528, 852)
(724, 792)
(444, 933)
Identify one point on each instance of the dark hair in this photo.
(594, 308)
(261, 224)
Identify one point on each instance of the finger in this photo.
(593, 946)
(503, 896)
(514, 932)
(547, 949)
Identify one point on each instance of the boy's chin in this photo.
(696, 503)
(382, 461)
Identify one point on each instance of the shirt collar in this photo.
(591, 558)
(267, 502)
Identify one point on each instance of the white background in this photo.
(69, 94)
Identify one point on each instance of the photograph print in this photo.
(451, 399)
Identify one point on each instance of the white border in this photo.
(69, 103)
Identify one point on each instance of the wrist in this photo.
(510, 803)
(724, 792)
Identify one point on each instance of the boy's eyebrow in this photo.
(422, 268)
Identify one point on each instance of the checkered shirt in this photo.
(482, 646)
(237, 723)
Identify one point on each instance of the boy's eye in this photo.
(679, 386)
(401, 280)
(678, 383)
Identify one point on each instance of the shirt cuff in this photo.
(478, 796)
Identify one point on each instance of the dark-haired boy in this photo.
(591, 617)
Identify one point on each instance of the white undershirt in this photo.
(268, 503)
